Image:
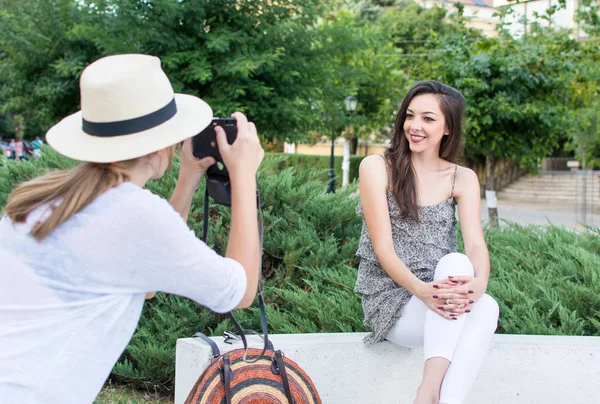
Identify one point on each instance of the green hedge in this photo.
(545, 278)
(307, 161)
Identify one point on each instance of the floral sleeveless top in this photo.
(419, 244)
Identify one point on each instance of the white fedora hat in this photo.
(128, 110)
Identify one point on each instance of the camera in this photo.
(205, 144)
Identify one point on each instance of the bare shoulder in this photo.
(467, 181)
(373, 170)
(373, 165)
(373, 162)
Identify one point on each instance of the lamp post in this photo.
(331, 175)
(350, 103)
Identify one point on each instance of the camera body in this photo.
(205, 144)
(217, 177)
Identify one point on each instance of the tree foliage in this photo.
(272, 60)
(588, 14)
(289, 65)
(514, 92)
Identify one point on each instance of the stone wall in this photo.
(519, 369)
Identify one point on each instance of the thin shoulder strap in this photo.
(387, 173)
(454, 181)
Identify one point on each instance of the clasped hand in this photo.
(453, 296)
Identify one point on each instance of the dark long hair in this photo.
(398, 156)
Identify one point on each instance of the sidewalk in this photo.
(529, 213)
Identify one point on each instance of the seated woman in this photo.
(416, 289)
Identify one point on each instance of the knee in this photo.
(454, 264)
(489, 309)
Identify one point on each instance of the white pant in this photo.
(464, 342)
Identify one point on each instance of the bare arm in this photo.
(468, 199)
(191, 171)
(373, 186)
(181, 199)
(242, 160)
(243, 243)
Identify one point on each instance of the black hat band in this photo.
(130, 126)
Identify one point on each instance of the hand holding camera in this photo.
(232, 142)
(234, 145)
(243, 157)
(192, 169)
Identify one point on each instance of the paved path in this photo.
(529, 213)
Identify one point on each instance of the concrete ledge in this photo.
(520, 369)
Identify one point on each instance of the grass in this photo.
(126, 395)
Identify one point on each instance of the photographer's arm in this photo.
(181, 199)
(191, 171)
(243, 243)
(242, 159)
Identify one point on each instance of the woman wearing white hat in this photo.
(80, 248)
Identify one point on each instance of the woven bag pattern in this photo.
(253, 383)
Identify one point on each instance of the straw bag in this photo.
(249, 375)
(253, 376)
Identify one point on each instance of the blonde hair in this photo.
(75, 189)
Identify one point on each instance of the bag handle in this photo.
(227, 373)
(215, 349)
(284, 377)
(228, 336)
(281, 370)
(261, 300)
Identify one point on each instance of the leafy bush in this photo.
(305, 161)
(310, 241)
(545, 278)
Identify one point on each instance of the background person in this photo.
(13, 149)
(19, 150)
(37, 151)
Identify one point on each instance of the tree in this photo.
(361, 62)
(588, 15)
(267, 59)
(515, 90)
(39, 60)
(6, 129)
(584, 102)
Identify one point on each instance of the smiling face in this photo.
(425, 125)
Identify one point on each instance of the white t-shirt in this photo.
(70, 304)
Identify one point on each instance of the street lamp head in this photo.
(351, 103)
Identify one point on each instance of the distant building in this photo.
(525, 14)
(480, 11)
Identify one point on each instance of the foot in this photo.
(426, 396)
